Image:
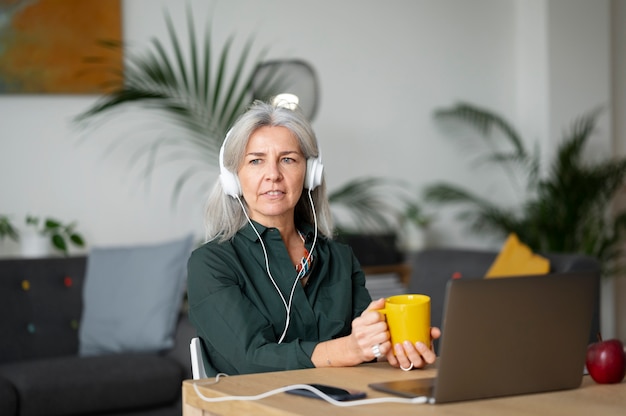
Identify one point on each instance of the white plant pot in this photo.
(412, 237)
(34, 244)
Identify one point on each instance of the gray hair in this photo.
(224, 215)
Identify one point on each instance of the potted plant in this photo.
(200, 92)
(567, 211)
(43, 233)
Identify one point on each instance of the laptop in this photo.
(509, 336)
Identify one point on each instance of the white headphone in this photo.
(230, 181)
(231, 186)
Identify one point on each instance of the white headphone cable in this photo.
(295, 283)
(267, 264)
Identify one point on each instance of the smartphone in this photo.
(334, 392)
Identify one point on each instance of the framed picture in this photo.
(59, 46)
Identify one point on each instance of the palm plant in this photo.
(370, 214)
(197, 89)
(567, 211)
(375, 205)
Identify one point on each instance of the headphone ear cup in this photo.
(229, 181)
(314, 169)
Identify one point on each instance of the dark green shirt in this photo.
(240, 317)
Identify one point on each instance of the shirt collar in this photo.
(247, 231)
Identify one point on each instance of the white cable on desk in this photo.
(322, 395)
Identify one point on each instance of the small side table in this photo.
(402, 269)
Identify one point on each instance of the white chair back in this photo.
(197, 362)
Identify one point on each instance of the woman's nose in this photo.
(273, 171)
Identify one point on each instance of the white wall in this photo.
(580, 68)
(383, 67)
(618, 15)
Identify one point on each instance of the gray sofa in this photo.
(41, 371)
(433, 268)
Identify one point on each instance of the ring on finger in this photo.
(376, 351)
(407, 369)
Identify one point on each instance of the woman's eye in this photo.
(288, 160)
(255, 161)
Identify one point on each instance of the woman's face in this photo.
(272, 175)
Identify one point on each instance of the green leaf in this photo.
(7, 229)
(484, 121)
(59, 242)
(51, 224)
(77, 239)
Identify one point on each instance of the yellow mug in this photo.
(408, 318)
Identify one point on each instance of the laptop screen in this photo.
(514, 335)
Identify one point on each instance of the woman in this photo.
(271, 290)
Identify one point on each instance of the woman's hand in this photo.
(368, 330)
(370, 336)
(408, 356)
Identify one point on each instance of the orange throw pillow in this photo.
(517, 259)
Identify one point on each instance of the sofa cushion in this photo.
(8, 398)
(40, 305)
(517, 259)
(99, 384)
(132, 297)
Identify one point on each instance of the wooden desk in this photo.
(590, 399)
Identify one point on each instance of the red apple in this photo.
(606, 361)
